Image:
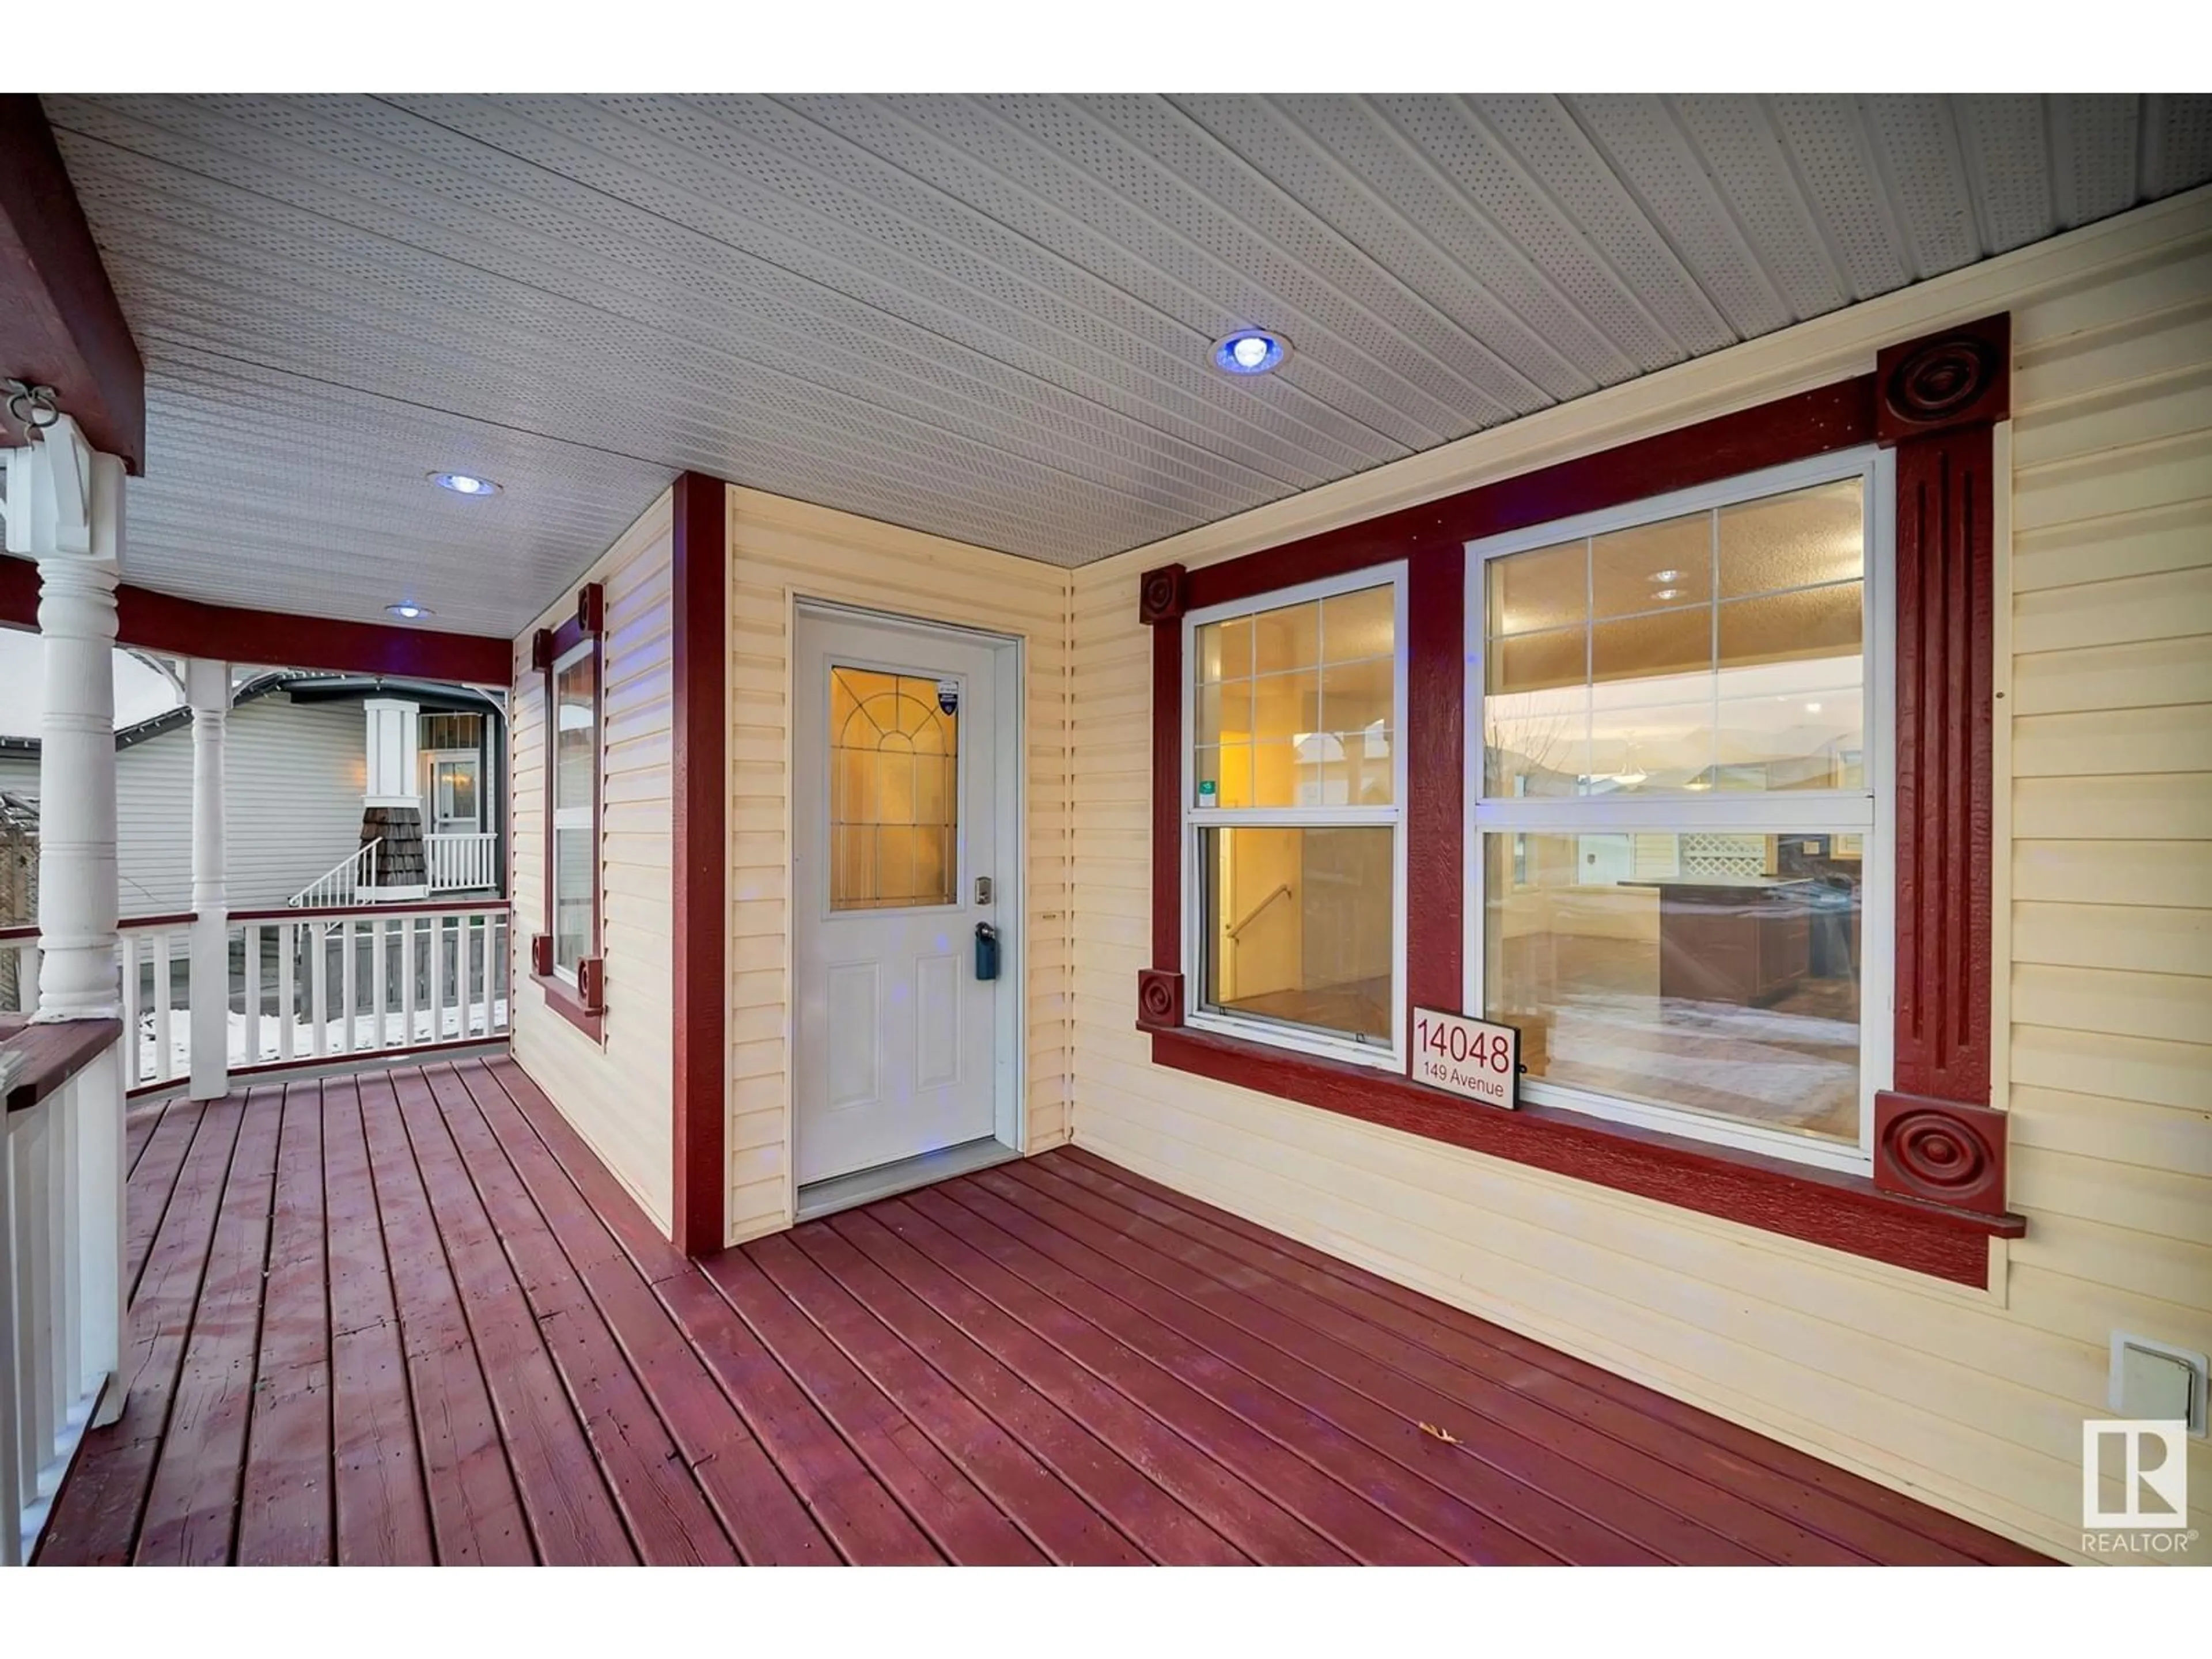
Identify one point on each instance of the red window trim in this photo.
(1937, 1193)
(583, 1005)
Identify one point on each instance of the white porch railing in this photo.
(462, 863)
(343, 885)
(61, 1260)
(305, 990)
(18, 969)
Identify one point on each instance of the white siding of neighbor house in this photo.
(617, 1093)
(1971, 1400)
(292, 784)
(782, 551)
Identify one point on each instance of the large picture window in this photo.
(1678, 807)
(1294, 793)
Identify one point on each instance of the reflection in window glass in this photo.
(1298, 927)
(1718, 972)
(894, 792)
(576, 743)
(1296, 706)
(1717, 650)
(575, 798)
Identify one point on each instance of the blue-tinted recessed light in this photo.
(408, 610)
(1250, 351)
(465, 483)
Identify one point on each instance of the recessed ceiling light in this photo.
(1250, 351)
(408, 609)
(465, 483)
(1666, 575)
(1668, 593)
(1812, 707)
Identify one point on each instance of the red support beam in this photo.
(60, 322)
(191, 627)
(700, 861)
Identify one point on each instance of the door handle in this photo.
(986, 950)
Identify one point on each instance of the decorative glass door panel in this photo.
(894, 791)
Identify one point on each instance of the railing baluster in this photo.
(437, 979)
(288, 968)
(11, 1476)
(69, 1226)
(132, 1075)
(34, 1303)
(319, 983)
(346, 1044)
(376, 972)
(164, 1048)
(406, 981)
(249, 1040)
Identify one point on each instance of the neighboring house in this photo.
(295, 779)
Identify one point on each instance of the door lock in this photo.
(982, 890)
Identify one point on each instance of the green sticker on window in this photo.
(1206, 790)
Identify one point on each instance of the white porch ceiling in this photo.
(984, 317)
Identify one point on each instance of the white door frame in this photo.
(1010, 1046)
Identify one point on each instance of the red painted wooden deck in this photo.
(406, 1316)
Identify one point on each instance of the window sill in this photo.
(1842, 1212)
(563, 1000)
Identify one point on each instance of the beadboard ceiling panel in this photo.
(986, 317)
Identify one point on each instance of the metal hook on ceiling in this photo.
(32, 407)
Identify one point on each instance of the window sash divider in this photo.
(1810, 813)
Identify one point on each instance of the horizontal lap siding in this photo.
(618, 1096)
(782, 549)
(1974, 1401)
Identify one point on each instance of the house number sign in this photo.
(1464, 1056)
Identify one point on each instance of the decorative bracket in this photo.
(1939, 1150)
(1159, 999)
(1961, 376)
(1162, 596)
(63, 499)
(592, 609)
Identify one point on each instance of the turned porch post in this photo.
(207, 689)
(64, 503)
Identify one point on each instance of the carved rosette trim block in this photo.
(1939, 1150)
(1959, 377)
(1162, 596)
(1159, 999)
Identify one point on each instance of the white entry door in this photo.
(899, 822)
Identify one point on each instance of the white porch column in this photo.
(65, 508)
(63, 504)
(207, 689)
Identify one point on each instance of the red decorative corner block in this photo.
(591, 608)
(541, 651)
(592, 984)
(1959, 377)
(1939, 1150)
(541, 953)
(1161, 597)
(1159, 999)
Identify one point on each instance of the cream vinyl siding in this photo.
(618, 1095)
(783, 550)
(1971, 1400)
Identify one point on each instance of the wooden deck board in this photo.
(380, 1501)
(407, 1316)
(285, 1513)
(95, 1517)
(753, 1506)
(192, 1507)
(572, 1516)
(475, 1512)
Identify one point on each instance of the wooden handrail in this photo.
(49, 1055)
(365, 912)
(1235, 932)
